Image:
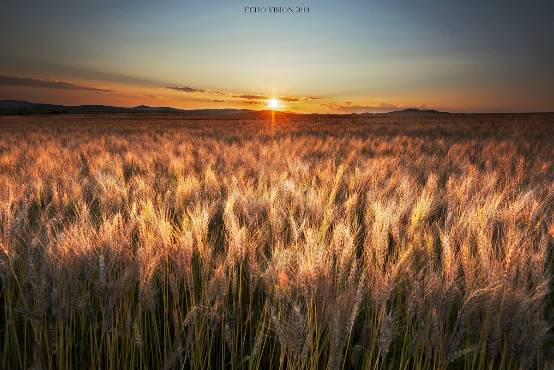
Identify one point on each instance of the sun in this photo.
(273, 103)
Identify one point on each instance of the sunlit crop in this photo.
(314, 243)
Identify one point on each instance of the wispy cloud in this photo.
(286, 99)
(45, 83)
(193, 90)
(186, 89)
(300, 99)
(251, 99)
(349, 107)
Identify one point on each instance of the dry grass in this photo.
(387, 242)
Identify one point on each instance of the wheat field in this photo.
(313, 242)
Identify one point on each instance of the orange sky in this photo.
(83, 91)
(76, 92)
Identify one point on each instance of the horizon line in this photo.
(418, 109)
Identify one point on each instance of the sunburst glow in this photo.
(273, 103)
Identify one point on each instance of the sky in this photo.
(342, 56)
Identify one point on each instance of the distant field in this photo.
(383, 242)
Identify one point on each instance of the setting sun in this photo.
(273, 103)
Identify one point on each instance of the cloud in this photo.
(286, 99)
(254, 102)
(186, 89)
(204, 100)
(250, 99)
(46, 83)
(349, 107)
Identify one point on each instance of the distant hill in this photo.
(416, 111)
(10, 107)
(17, 107)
